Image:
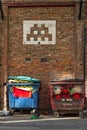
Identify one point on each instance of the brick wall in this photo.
(63, 60)
(60, 57)
(3, 58)
(0, 57)
(1, 32)
(79, 67)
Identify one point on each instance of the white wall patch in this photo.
(39, 32)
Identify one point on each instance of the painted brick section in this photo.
(60, 57)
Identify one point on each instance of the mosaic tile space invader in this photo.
(39, 32)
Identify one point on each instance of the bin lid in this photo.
(67, 81)
(23, 78)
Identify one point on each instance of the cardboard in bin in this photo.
(21, 92)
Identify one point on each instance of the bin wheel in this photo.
(81, 114)
(56, 114)
(11, 112)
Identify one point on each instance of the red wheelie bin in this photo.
(67, 96)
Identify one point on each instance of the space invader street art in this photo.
(39, 32)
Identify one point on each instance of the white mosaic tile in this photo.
(42, 32)
(35, 32)
(39, 32)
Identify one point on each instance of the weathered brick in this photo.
(64, 59)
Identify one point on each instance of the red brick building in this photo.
(57, 52)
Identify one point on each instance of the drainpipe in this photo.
(80, 9)
(84, 60)
(85, 41)
(1, 11)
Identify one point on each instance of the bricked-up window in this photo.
(43, 59)
(39, 32)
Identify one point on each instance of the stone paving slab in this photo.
(23, 117)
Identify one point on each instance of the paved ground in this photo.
(45, 122)
(18, 117)
(25, 117)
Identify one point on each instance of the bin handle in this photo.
(34, 90)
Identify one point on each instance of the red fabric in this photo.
(21, 93)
